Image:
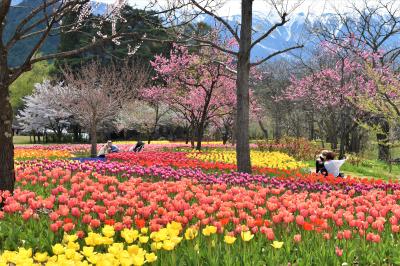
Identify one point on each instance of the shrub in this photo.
(299, 148)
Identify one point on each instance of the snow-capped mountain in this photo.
(292, 33)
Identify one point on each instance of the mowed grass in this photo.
(21, 140)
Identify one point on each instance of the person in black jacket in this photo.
(138, 147)
(319, 163)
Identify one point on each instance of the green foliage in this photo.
(22, 48)
(24, 85)
(138, 22)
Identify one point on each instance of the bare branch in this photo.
(276, 53)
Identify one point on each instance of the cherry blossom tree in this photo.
(332, 89)
(41, 112)
(96, 94)
(196, 86)
(247, 37)
(143, 116)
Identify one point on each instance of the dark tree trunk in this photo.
(383, 141)
(242, 87)
(93, 142)
(192, 136)
(312, 127)
(75, 130)
(263, 129)
(225, 136)
(7, 173)
(233, 138)
(342, 147)
(199, 136)
(277, 127)
(187, 135)
(59, 135)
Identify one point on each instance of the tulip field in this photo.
(169, 205)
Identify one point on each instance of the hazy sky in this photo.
(317, 7)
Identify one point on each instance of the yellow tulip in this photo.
(209, 230)
(247, 236)
(41, 257)
(143, 239)
(58, 249)
(156, 246)
(25, 253)
(168, 245)
(129, 235)
(151, 257)
(87, 251)
(277, 244)
(138, 260)
(229, 239)
(133, 249)
(191, 233)
(108, 231)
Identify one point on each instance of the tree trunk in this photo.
(199, 135)
(277, 128)
(59, 135)
(342, 146)
(383, 141)
(263, 129)
(192, 136)
(242, 87)
(312, 127)
(187, 135)
(7, 173)
(76, 133)
(93, 142)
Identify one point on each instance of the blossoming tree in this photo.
(96, 94)
(329, 90)
(196, 86)
(41, 112)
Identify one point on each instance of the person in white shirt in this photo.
(332, 166)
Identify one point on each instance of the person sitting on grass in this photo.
(106, 149)
(332, 166)
(319, 163)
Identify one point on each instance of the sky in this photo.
(317, 7)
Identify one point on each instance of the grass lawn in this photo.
(21, 140)
(369, 168)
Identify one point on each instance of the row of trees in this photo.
(188, 88)
(345, 87)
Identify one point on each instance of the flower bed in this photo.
(166, 208)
